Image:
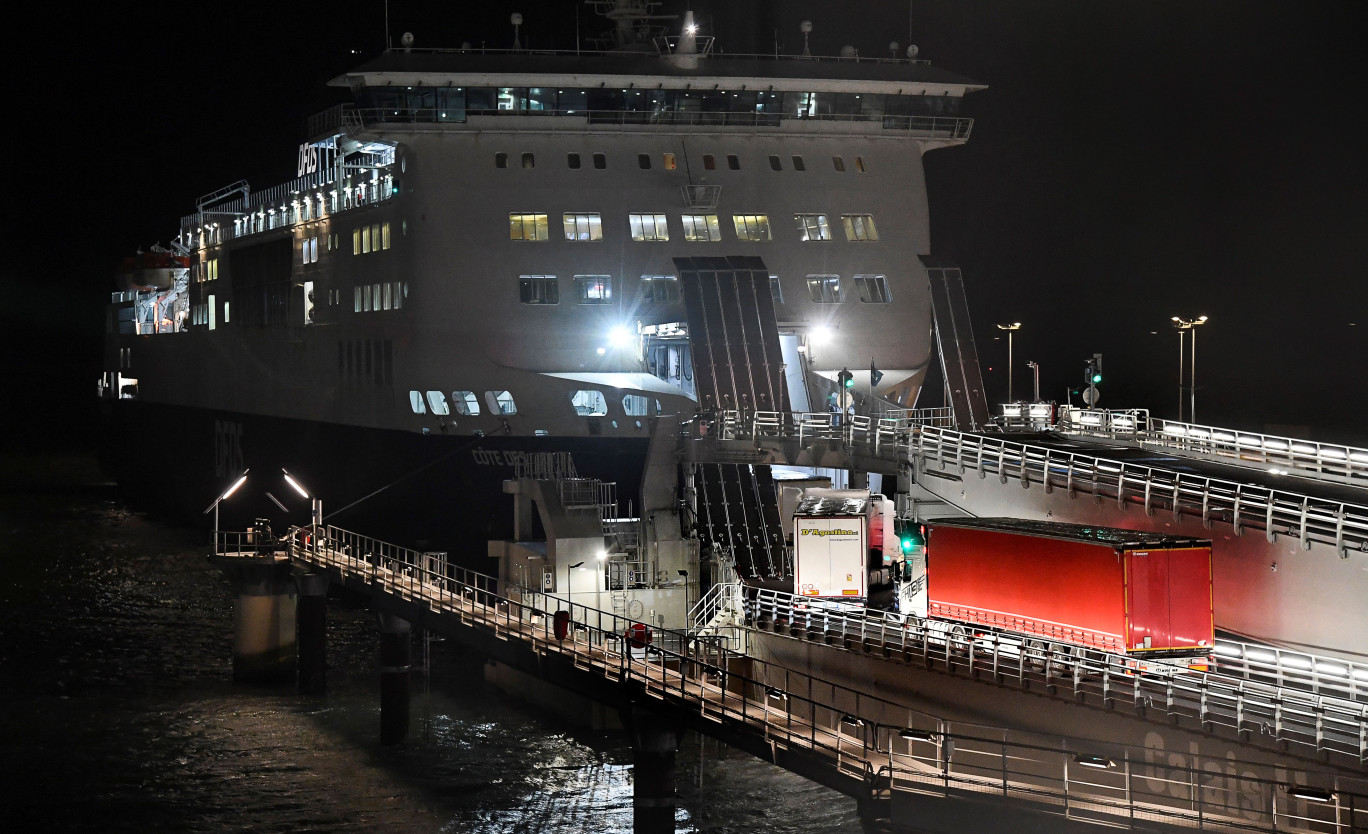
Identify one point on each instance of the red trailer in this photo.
(1121, 591)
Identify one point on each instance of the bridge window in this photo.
(701, 227)
(644, 161)
(500, 160)
(588, 226)
(636, 405)
(873, 289)
(825, 289)
(500, 402)
(538, 289)
(600, 161)
(839, 164)
(798, 163)
(649, 227)
(709, 162)
(529, 160)
(859, 164)
(572, 160)
(776, 291)
(594, 289)
(752, 226)
(437, 402)
(859, 227)
(417, 403)
(660, 289)
(668, 160)
(733, 162)
(589, 403)
(466, 403)
(528, 227)
(775, 164)
(812, 226)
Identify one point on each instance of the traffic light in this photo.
(1092, 371)
(911, 535)
(845, 379)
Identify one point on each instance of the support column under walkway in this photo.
(396, 659)
(654, 744)
(311, 617)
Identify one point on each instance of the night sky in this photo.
(1131, 160)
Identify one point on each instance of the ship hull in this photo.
(431, 491)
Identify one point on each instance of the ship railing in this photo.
(1225, 697)
(884, 744)
(636, 56)
(1338, 524)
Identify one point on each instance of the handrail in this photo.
(1321, 723)
(885, 745)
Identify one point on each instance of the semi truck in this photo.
(1120, 591)
(839, 540)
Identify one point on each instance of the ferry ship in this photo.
(475, 270)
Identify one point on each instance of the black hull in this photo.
(431, 492)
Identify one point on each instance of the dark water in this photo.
(118, 711)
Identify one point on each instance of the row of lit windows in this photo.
(308, 247)
(387, 295)
(588, 226)
(372, 238)
(207, 271)
(670, 163)
(588, 402)
(664, 289)
(206, 313)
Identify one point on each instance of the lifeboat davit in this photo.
(155, 270)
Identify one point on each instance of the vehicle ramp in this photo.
(738, 369)
(955, 344)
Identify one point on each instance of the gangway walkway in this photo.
(900, 763)
(1255, 702)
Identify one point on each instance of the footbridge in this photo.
(1288, 518)
(907, 765)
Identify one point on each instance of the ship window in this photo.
(589, 403)
(709, 163)
(775, 164)
(733, 162)
(212, 312)
(825, 289)
(644, 161)
(751, 226)
(500, 402)
(356, 299)
(466, 403)
(600, 161)
(668, 159)
(437, 402)
(528, 160)
(859, 227)
(500, 160)
(798, 163)
(649, 227)
(227, 306)
(859, 164)
(838, 163)
(594, 289)
(873, 289)
(528, 227)
(812, 226)
(375, 238)
(356, 241)
(384, 235)
(365, 240)
(388, 294)
(398, 294)
(660, 289)
(776, 291)
(366, 298)
(416, 402)
(636, 405)
(538, 289)
(587, 226)
(572, 160)
(701, 227)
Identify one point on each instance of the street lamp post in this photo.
(1035, 369)
(1190, 325)
(1010, 328)
(239, 481)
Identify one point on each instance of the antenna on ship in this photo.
(806, 27)
(516, 20)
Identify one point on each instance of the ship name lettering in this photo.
(228, 457)
(1220, 786)
(308, 159)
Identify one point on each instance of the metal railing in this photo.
(877, 744)
(1315, 723)
(1330, 461)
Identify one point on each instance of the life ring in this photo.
(638, 635)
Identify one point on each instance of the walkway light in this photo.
(1099, 762)
(852, 720)
(913, 734)
(1312, 794)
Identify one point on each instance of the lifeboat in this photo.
(154, 270)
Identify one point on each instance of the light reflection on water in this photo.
(120, 714)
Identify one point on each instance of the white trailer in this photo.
(834, 533)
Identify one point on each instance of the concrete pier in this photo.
(396, 659)
(312, 626)
(263, 617)
(654, 744)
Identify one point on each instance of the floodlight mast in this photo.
(223, 496)
(315, 503)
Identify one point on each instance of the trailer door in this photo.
(1168, 600)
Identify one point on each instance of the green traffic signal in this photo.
(1096, 377)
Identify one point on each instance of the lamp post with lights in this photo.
(1188, 325)
(1010, 328)
(223, 496)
